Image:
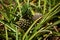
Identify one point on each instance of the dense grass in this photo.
(44, 26)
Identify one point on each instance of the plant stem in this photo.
(16, 33)
(6, 33)
(39, 3)
(41, 30)
(32, 11)
(49, 5)
(45, 2)
(54, 2)
(55, 23)
(28, 2)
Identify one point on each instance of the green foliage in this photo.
(17, 9)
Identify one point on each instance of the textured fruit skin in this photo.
(23, 24)
(36, 16)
